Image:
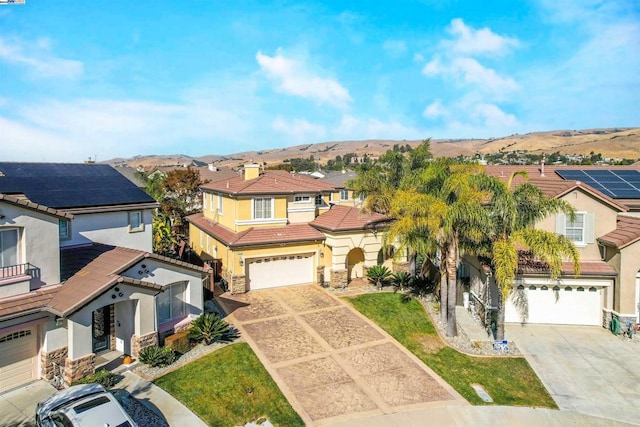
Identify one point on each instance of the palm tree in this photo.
(514, 213)
(442, 215)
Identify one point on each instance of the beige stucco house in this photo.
(606, 232)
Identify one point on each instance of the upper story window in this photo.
(574, 230)
(135, 221)
(344, 194)
(219, 204)
(64, 229)
(319, 200)
(8, 247)
(299, 199)
(580, 231)
(170, 304)
(263, 208)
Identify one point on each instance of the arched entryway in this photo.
(355, 263)
(385, 256)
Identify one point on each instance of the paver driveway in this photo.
(331, 362)
(586, 369)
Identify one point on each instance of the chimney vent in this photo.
(542, 166)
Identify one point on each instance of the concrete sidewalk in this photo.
(479, 416)
(159, 401)
(18, 407)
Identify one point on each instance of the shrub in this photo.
(157, 356)
(102, 376)
(400, 280)
(379, 275)
(209, 328)
(179, 342)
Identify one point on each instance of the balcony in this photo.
(11, 271)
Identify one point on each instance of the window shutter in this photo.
(561, 224)
(589, 228)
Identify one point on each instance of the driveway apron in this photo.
(586, 369)
(332, 363)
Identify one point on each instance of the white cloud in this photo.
(395, 48)
(358, 128)
(435, 110)
(472, 72)
(292, 77)
(418, 57)
(469, 41)
(38, 58)
(299, 130)
(433, 67)
(492, 117)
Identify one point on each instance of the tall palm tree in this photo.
(515, 212)
(441, 214)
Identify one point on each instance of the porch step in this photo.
(471, 328)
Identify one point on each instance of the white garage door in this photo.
(283, 270)
(18, 358)
(570, 305)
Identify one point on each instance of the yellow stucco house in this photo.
(264, 229)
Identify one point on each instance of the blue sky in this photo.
(80, 79)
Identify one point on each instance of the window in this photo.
(262, 208)
(204, 201)
(574, 230)
(135, 221)
(64, 229)
(219, 204)
(319, 201)
(299, 199)
(8, 247)
(170, 304)
(344, 194)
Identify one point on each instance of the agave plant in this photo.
(378, 274)
(209, 328)
(400, 280)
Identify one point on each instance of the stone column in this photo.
(339, 278)
(320, 275)
(238, 285)
(47, 359)
(138, 343)
(77, 369)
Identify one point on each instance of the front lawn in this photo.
(230, 387)
(508, 380)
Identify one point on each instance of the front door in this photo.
(101, 336)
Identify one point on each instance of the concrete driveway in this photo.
(331, 363)
(586, 369)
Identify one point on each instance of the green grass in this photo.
(216, 388)
(508, 380)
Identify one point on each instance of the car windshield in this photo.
(78, 409)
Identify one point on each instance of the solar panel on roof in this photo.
(619, 184)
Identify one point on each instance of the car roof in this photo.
(63, 397)
(97, 410)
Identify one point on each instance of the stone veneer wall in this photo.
(339, 278)
(400, 267)
(77, 369)
(175, 330)
(57, 356)
(138, 343)
(320, 275)
(238, 285)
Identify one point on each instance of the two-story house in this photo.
(265, 229)
(606, 232)
(77, 276)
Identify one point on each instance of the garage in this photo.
(562, 305)
(285, 270)
(18, 358)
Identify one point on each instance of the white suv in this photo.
(82, 405)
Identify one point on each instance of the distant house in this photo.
(606, 232)
(265, 229)
(77, 275)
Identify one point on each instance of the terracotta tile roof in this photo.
(527, 265)
(207, 175)
(626, 233)
(292, 233)
(344, 218)
(270, 182)
(25, 303)
(25, 203)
